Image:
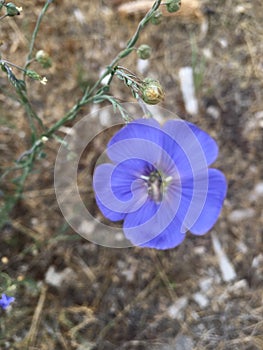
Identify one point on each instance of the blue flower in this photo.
(5, 301)
(159, 182)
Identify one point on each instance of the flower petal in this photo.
(161, 229)
(141, 130)
(145, 139)
(5, 301)
(125, 174)
(170, 238)
(108, 213)
(208, 210)
(112, 207)
(148, 129)
(135, 224)
(193, 195)
(152, 219)
(135, 148)
(193, 141)
(216, 193)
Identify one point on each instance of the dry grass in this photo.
(123, 299)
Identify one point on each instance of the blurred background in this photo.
(73, 294)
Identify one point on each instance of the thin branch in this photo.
(35, 32)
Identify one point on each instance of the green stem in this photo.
(2, 17)
(10, 202)
(87, 96)
(12, 65)
(20, 87)
(31, 114)
(35, 32)
(129, 46)
(27, 158)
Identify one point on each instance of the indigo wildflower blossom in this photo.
(159, 182)
(5, 301)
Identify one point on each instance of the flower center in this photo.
(156, 184)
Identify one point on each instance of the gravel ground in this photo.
(73, 294)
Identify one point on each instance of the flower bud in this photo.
(44, 139)
(43, 58)
(157, 17)
(34, 75)
(152, 91)
(173, 5)
(12, 10)
(43, 81)
(144, 51)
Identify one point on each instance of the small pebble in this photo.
(223, 42)
(55, 279)
(188, 90)
(238, 288)
(257, 192)
(201, 300)
(227, 269)
(79, 16)
(213, 111)
(175, 311)
(257, 261)
(207, 53)
(206, 283)
(241, 214)
(183, 342)
(200, 250)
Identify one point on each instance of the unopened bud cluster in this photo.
(34, 75)
(173, 5)
(11, 9)
(43, 58)
(149, 90)
(152, 91)
(157, 17)
(144, 51)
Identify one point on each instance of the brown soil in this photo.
(137, 298)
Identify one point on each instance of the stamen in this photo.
(143, 177)
(155, 186)
(168, 179)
